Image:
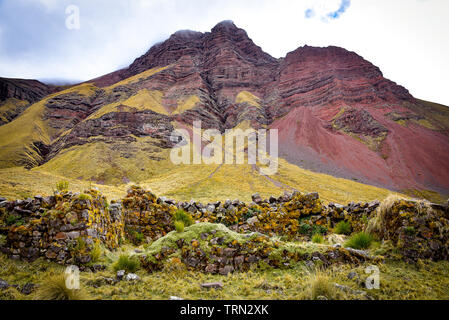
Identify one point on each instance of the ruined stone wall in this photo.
(284, 216)
(63, 228)
(418, 229)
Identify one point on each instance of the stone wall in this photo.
(62, 228)
(65, 227)
(283, 216)
(418, 229)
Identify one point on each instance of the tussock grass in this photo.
(182, 216)
(54, 288)
(62, 186)
(317, 238)
(343, 227)
(96, 252)
(320, 285)
(179, 226)
(127, 263)
(377, 224)
(361, 240)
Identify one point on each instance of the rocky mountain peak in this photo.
(226, 26)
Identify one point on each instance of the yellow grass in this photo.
(186, 104)
(249, 98)
(141, 101)
(141, 76)
(10, 106)
(18, 136)
(18, 183)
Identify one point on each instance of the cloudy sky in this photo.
(406, 39)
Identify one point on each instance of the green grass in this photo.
(127, 263)
(361, 240)
(184, 217)
(179, 226)
(317, 238)
(398, 280)
(343, 227)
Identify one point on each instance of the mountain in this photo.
(18, 94)
(335, 112)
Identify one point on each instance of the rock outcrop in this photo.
(16, 95)
(21, 89)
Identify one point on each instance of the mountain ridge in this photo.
(334, 110)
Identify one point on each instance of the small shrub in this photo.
(54, 288)
(343, 227)
(317, 238)
(181, 215)
(127, 263)
(62, 186)
(179, 226)
(304, 228)
(361, 240)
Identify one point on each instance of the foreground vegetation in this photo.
(398, 280)
(307, 263)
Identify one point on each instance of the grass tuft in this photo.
(62, 186)
(361, 240)
(127, 263)
(179, 226)
(343, 227)
(320, 285)
(96, 252)
(54, 288)
(184, 217)
(317, 238)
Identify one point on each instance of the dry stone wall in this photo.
(65, 227)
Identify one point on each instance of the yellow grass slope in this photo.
(18, 137)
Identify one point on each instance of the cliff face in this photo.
(335, 111)
(29, 90)
(16, 95)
